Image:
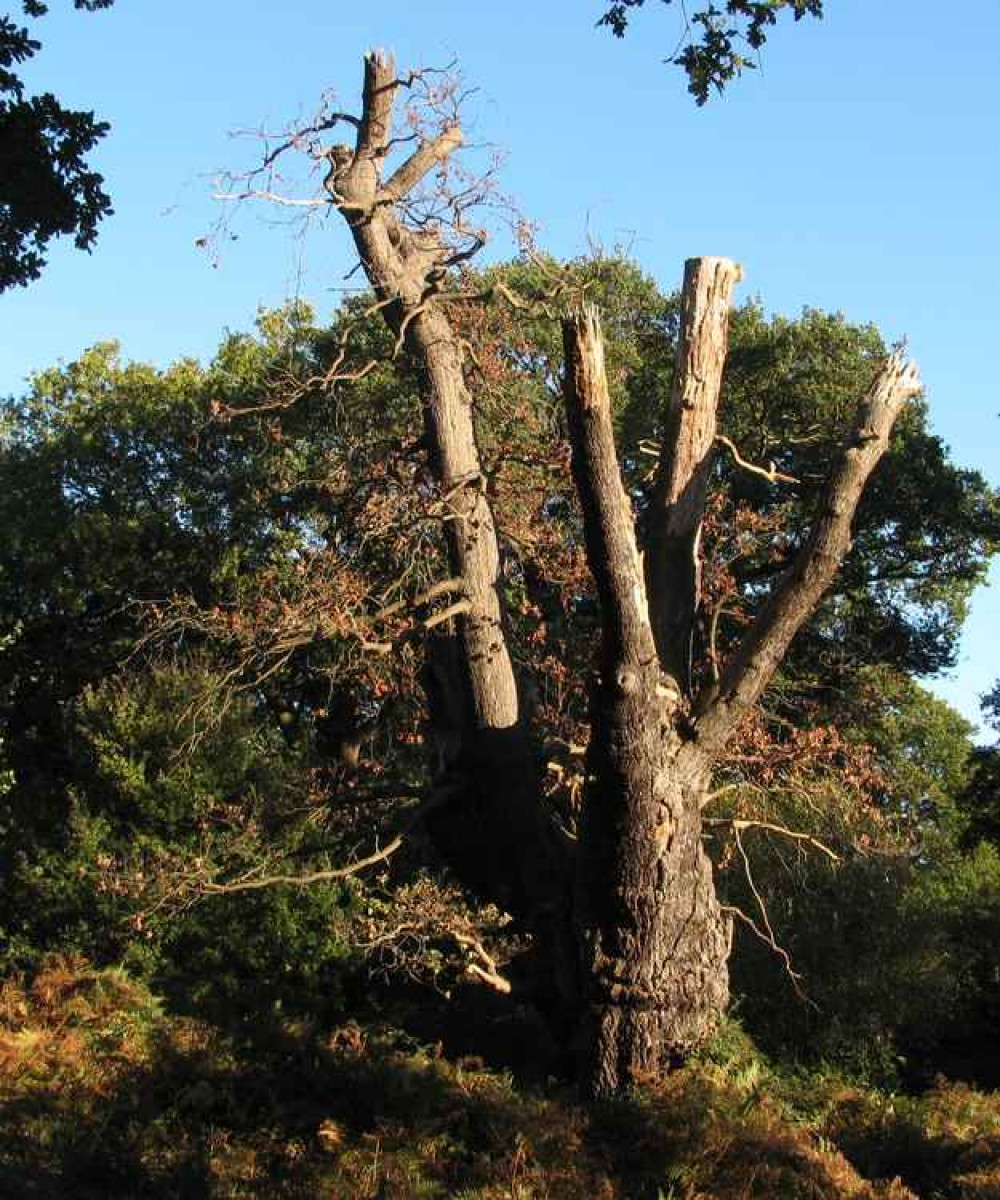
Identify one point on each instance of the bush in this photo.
(151, 813)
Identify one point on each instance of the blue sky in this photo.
(858, 171)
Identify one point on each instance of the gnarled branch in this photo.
(719, 708)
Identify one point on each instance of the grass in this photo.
(103, 1094)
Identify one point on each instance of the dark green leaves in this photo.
(711, 47)
(46, 186)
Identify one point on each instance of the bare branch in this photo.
(443, 587)
(425, 625)
(769, 940)
(770, 472)
(766, 934)
(379, 856)
(272, 198)
(739, 824)
(719, 708)
(486, 969)
(674, 518)
(425, 158)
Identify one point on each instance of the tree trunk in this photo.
(493, 834)
(653, 940)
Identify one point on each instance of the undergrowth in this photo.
(103, 1094)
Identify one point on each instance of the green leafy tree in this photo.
(270, 532)
(122, 491)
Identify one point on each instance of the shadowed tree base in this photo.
(653, 938)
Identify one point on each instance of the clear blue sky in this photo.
(859, 170)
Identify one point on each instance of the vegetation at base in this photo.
(105, 1095)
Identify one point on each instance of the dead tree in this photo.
(653, 940)
(495, 836)
(639, 941)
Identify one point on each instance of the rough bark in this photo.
(494, 835)
(404, 268)
(653, 941)
(676, 509)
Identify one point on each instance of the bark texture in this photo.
(494, 835)
(653, 941)
(676, 510)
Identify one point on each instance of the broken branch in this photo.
(770, 472)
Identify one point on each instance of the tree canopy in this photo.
(167, 555)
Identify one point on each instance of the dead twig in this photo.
(738, 825)
(770, 472)
(435, 801)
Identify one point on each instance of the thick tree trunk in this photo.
(653, 941)
(652, 937)
(493, 833)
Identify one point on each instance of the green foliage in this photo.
(991, 707)
(979, 800)
(897, 975)
(925, 529)
(716, 41)
(166, 529)
(923, 749)
(47, 188)
(147, 812)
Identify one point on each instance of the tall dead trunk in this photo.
(494, 835)
(677, 507)
(405, 267)
(652, 938)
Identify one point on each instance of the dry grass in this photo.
(105, 1096)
